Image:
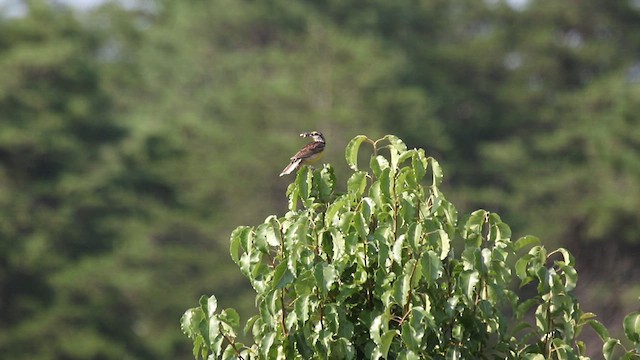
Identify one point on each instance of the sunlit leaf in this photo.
(475, 223)
(419, 163)
(357, 183)
(414, 236)
(437, 171)
(386, 340)
(570, 276)
(282, 276)
(609, 347)
(351, 152)
(239, 241)
(445, 244)
(396, 143)
(266, 344)
(631, 326)
(526, 241)
(469, 279)
(325, 275)
(600, 329)
(212, 305)
(333, 209)
(293, 195)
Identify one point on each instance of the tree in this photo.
(388, 270)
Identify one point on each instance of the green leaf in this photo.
(408, 355)
(302, 345)
(230, 352)
(600, 329)
(325, 275)
(525, 306)
(609, 347)
(212, 305)
(360, 225)
(437, 172)
(396, 144)
(631, 326)
(230, 316)
(566, 256)
(282, 276)
(378, 164)
(526, 241)
(522, 266)
(266, 344)
(445, 244)
(414, 237)
(403, 285)
(253, 325)
(469, 279)
(357, 183)
(333, 209)
(274, 236)
(386, 340)
(326, 183)
(260, 239)
(533, 357)
(570, 277)
(475, 223)
(351, 152)
(404, 155)
(304, 182)
(240, 239)
(346, 219)
(293, 195)
(431, 266)
(341, 348)
(377, 323)
(396, 148)
(190, 322)
(215, 338)
(419, 163)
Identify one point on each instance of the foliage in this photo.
(121, 170)
(388, 270)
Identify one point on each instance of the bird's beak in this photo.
(305, 134)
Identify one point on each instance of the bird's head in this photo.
(317, 136)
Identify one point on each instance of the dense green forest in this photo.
(135, 138)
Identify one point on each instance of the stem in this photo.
(369, 279)
(406, 306)
(547, 340)
(284, 315)
(321, 314)
(232, 343)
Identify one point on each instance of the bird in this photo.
(309, 153)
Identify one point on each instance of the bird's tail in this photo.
(291, 167)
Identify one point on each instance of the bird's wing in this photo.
(309, 150)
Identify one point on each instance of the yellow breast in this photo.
(313, 158)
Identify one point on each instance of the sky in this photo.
(15, 8)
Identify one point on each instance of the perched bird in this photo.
(309, 154)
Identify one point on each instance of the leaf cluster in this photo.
(387, 270)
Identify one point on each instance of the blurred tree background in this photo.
(136, 135)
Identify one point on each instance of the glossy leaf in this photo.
(469, 279)
(631, 326)
(526, 241)
(351, 152)
(394, 275)
(357, 183)
(325, 275)
(600, 329)
(609, 347)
